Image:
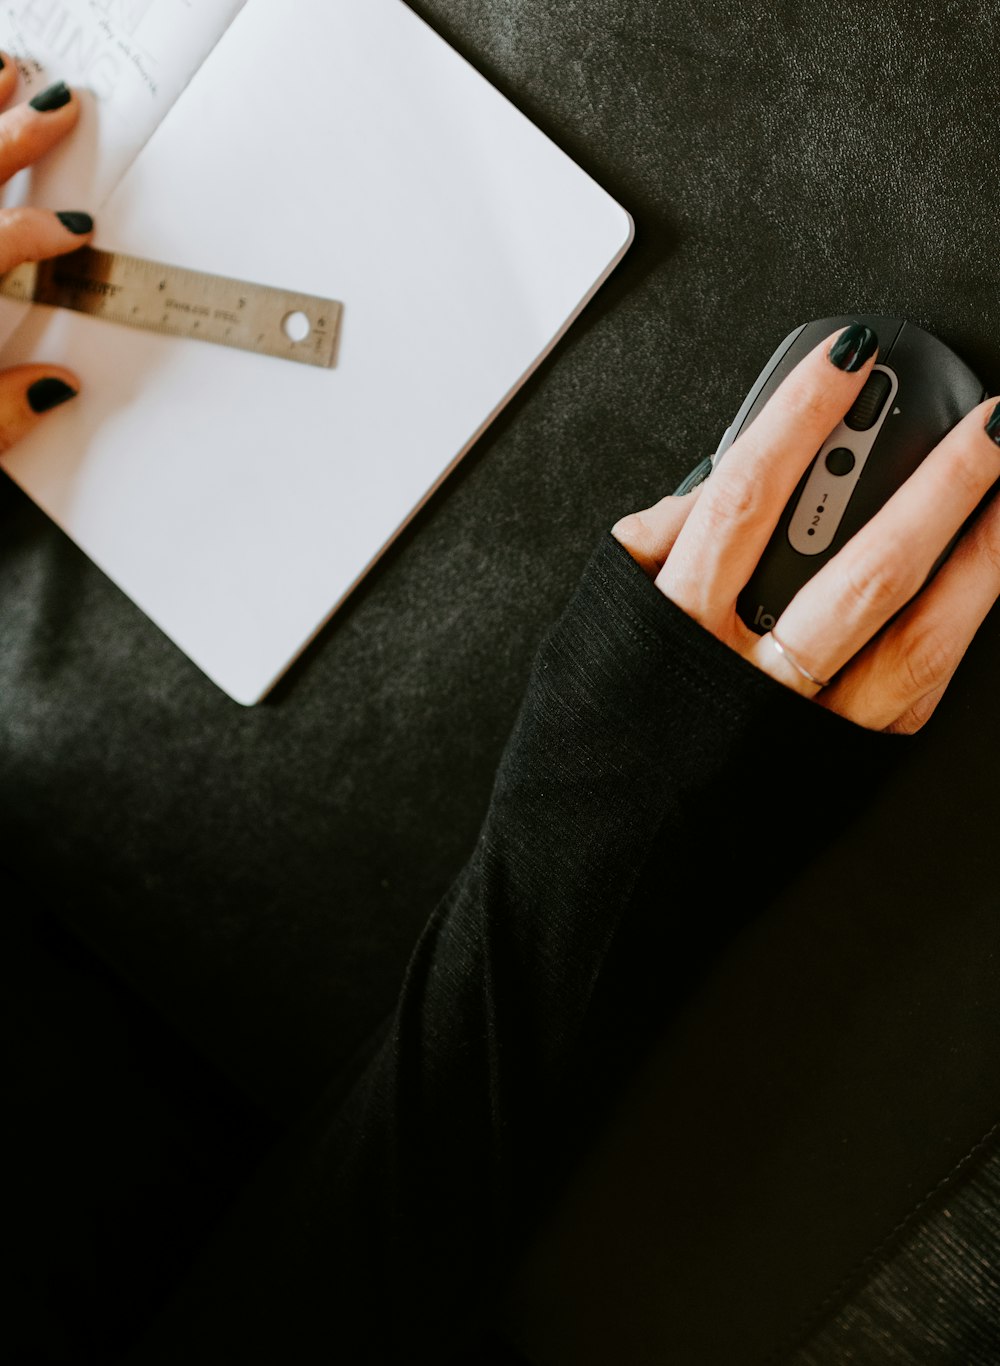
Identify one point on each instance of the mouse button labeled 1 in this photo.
(869, 403)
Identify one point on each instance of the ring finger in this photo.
(884, 565)
(897, 681)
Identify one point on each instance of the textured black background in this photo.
(253, 880)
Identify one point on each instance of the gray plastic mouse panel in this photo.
(918, 389)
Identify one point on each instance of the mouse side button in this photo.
(733, 430)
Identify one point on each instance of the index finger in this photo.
(724, 537)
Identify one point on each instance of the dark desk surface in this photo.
(259, 877)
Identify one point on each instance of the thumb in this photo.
(27, 392)
(649, 536)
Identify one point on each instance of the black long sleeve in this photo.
(647, 766)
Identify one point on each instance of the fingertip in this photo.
(53, 97)
(51, 391)
(27, 393)
(852, 347)
(649, 536)
(991, 410)
(984, 418)
(77, 222)
(8, 76)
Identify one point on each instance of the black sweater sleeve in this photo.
(646, 764)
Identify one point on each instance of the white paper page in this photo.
(128, 60)
(238, 498)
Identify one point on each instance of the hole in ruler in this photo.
(296, 326)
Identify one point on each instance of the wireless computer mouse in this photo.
(918, 389)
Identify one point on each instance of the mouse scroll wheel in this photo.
(869, 402)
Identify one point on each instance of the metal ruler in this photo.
(183, 303)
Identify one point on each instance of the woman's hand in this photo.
(27, 132)
(887, 649)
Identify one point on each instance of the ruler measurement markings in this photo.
(177, 301)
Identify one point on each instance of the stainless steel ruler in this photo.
(183, 303)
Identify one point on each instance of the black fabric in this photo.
(395, 1215)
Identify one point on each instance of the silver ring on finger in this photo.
(796, 664)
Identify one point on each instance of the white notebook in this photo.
(337, 147)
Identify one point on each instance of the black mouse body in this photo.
(917, 391)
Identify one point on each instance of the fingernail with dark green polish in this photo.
(993, 425)
(76, 221)
(853, 347)
(53, 98)
(49, 393)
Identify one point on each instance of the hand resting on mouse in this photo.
(860, 637)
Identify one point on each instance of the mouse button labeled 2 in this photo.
(869, 403)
